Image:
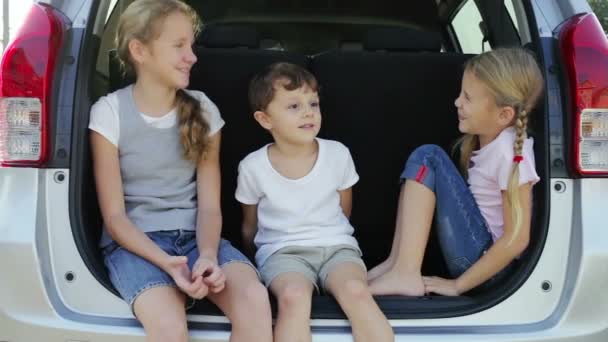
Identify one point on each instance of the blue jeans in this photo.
(131, 274)
(461, 229)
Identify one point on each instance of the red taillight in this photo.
(26, 77)
(584, 49)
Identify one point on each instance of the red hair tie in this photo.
(518, 159)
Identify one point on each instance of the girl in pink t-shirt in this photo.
(484, 225)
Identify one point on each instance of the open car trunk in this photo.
(380, 102)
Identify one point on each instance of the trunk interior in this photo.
(383, 92)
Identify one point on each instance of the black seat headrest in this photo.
(402, 39)
(229, 36)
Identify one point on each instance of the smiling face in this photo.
(169, 57)
(293, 116)
(478, 113)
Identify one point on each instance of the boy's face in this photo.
(293, 116)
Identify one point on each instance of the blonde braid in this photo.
(193, 127)
(521, 125)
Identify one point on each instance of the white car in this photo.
(389, 72)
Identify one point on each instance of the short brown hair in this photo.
(291, 77)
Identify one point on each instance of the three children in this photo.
(162, 247)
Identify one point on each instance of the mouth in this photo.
(185, 71)
(307, 126)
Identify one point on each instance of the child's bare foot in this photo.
(395, 283)
(379, 270)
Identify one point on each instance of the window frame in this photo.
(502, 32)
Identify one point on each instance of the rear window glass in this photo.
(467, 29)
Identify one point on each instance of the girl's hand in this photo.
(441, 286)
(211, 274)
(177, 268)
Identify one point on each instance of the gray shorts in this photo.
(314, 263)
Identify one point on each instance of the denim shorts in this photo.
(131, 274)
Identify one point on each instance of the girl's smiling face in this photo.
(478, 113)
(169, 57)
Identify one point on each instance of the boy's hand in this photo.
(177, 268)
(210, 273)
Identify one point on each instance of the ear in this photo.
(506, 116)
(137, 50)
(263, 119)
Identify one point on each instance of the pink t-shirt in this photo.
(489, 175)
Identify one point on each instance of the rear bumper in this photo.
(59, 330)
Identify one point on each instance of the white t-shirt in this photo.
(105, 121)
(489, 175)
(298, 212)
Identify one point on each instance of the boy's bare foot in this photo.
(379, 270)
(395, 283)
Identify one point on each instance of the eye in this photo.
(293, 106)
(314, 104)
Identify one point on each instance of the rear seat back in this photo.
(400, 39)
(229, 36)
(382, 105)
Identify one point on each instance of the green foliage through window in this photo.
(600, 8)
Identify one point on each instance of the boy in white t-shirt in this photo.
(296, 193)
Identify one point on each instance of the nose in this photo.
(457, 102)
(311, 111)
(191, 57)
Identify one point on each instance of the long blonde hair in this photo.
(142, 20)
(515, 80)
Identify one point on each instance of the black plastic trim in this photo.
(79, 165)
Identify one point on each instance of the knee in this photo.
(254, 296)
(430, 148)
(353, 289)
(251, 300)
(168, 328)
(427, 150)
(294, 295)
(426, 154)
